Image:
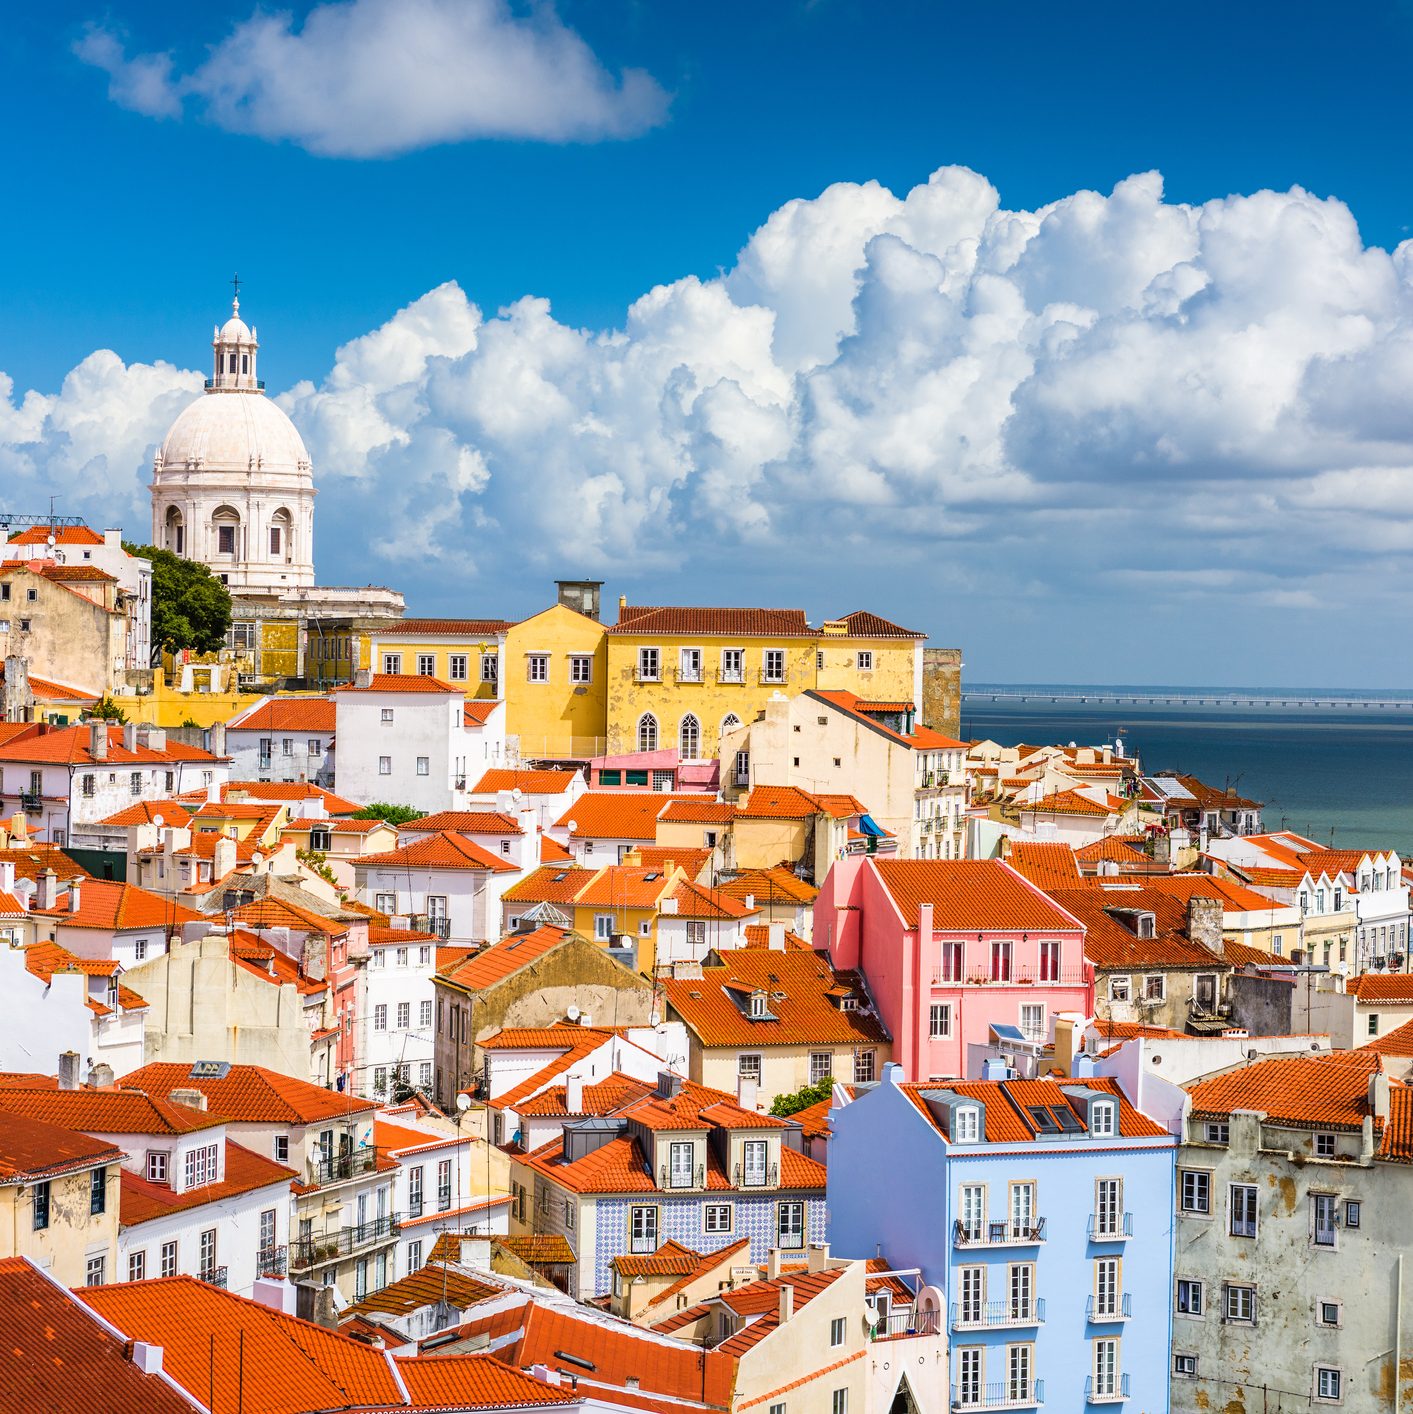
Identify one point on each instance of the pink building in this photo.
(950, 948)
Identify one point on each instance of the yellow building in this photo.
(679, 677)
(555, 684)
(464, 652)
(59, 1201)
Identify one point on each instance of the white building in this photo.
(232, 483)
(548, 792)
(396, 1012)
(444, 883)
(283, 739)
(414, 741)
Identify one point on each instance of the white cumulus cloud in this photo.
(1114, 405)
(370, 78)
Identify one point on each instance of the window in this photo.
(443, 1185)
(537, 667)
(968, 1124)
(969, 1386)
(774, 665)
(821, 1066)
(385, 903)
(951, 962)
(392, 665)
(642, 1229)
(696, 932)
(1018, 1383)
(1324, 1146)
(679, 1164)
(1050, 961)
(1324, 1208)
(1185, 1367)
(1155, 987)
(1000, 961)
(1196, 1191)
(282, 1148)
(716, 1217)
(1329, 1382)
(1353, 1211)
(1103, 1120)
(754, 1173)
(1327, 1313)
(1189, 1297)
(41, 1206)
(939, 1019)
(1243, 1210)
(385, 765)
(748, 1066)
(424, 766)
(603, 926)
(648, 665)
(1218, 1132)
(414, 1191)
(647, 732)
(89, 786)
(225, 539)
(96, 1271)
(1373, 1025)
(581, 667)
(490, 668)
(135, 782)
(733, 667)
(137, 1266)
(169, 1259)
(456, 667)
(97, 1191)
(865, 662)
(1120, 988)
(1108, 1206)
(1106, 1286)
(1241, 1304)
(426, 665)
(790, 1223)
(1106, 1367)
(414, 1257)
(202, 1166)
(404, 1015)
(689, 665)
(777, 1408)
(864, 1067)
(380, 1017)
(1032, 1021)
(689, 738)
(156, 1166)
(839, 1401)
(424, 1015)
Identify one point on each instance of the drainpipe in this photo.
(1398, 1334)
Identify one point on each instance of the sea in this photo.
(1335, 765)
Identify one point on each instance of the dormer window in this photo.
(1145, 927)
(1103, 1119)
(966, 1127)
(757, 1006)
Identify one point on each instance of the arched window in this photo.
(245, 363)
(225, 522)
(281, 525)
(176, 531)
(689, 738)
(729, 723)
(647, 732)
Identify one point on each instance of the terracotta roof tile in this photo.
(863, 624)
(63, 535)
(615, 815)
(1382, 988)
(146, 812)
(1066, 802)
(502, 959)
(246, 1172)
(605, 1097)
(1123, 849)
(528, 782)
(464, 822)
(757, 935)
(70, 745)
(443, 850)
(445, 628)
(290, 714)
(1047, 864)
(126, 1111)
(105, 904)
(704, 810)
(712, 622)
(552, 852)
(34, 1150)
(768, 886)
(403, 682)
(692, 862)
(425, 1287)
(1398, 1042)
(625, 886)
(699, 901)
(550, 883)
(1109, 944)
(780, 803)
(250, 1094)
(1007, 1103)
(969, 895)
(1331, 1091)
(852, 705)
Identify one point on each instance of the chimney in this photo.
(157, 738)
(98, 740)
(1378, 1095)
(750, 902)
(313, 958)
(68, 1070)
(75, 899)
(622, 604)
(213, 793)
(218, 739)
(224, 859)
(129, 736)
(48, 892)
(574, 1094)
(818, 1256)
(924, 925)
(772, 1264)
(1204, 923)
(7, 876)
(1069, 1030)
(363, 677)
(192, 1098)
(776, 934)
(786, 1308)
(147, 1358)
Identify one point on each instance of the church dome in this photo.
(233, 431)
(235, 331)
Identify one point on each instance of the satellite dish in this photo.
(655, 1019)
(870, 1314)
(516, 793)
(572, 1012)
(257, 858)
(158, 821)
(573, 827)
(463, 1102)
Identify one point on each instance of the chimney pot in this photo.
(75, 897)
(98, 740)
(68, 1070)
(787, 1303)
(574, 1094)
(47, 893)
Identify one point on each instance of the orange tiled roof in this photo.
(305, 823)
(605, 1097)
(1123, 849)
(1233, 896)
(271, 912)
(403, 682)
(863, 624)
(757, 935)
(1383, 988)
(672, 1259)
(146, 812)
(615, 815)
(126, 1111)
(1111, 945)
(624, 886)
(443, 850)
(550, 883)
(658, 856)
(445, 628)
(34, 1150)
(476, 712)
(760, 1302)
(425, 1287)
(275, 792)
(246, 1172)
(697, 810)
(699, 901)
(1331, 1091)
(290, 714)
(852, 705)
(526, 782)
(539, 1249)
(500, 960)
(968, 895)
(1007, 1102)
(552, 852)
(712, 622)
(465, 822)
(769, 885)
(63, 535)
(1047, 864)
(70, 745)
(1065, 802)
(780, 803)
(1398, 1042)
(250, 1094)
(106, 904)
(562, 1036)
(59, 1358)
(800, 989)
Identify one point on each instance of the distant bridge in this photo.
(1185, 699)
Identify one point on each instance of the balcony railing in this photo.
(1015, 977)
(430, 923)
(1112, 1391)
(1118, 1308)
(338, 1168)
(313, 1251)
(998, 1234)
(271, 1262)
(767, 1177)
(671, 1178)
(981, 1315)
(31, 804)
(213, 1276)
(899, 1324)
(1002, 1394)
(1110, 1227)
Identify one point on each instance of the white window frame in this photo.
(769, 674)
(458, 667)
(581, 668)
(649, 664)
(537, 666)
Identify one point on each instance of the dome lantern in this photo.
(235, 347)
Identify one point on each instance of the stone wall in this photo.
(942, 690)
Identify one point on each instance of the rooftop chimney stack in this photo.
(7, 876)
(776, 934)
(98, 740)
(47, 893)
(574, 1094)
(75, 896)
(1204, 923)
(787, 1302)
(68, 1070)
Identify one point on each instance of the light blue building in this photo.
(1040, 1210)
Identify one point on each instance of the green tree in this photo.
(191, 608)
(106, 710)
(803, 1098)
(393, 814)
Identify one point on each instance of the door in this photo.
(643, 1231)
(973, 1294)
(1022, 1291)
(1106, 1286)
(755, 1150)
(973, 1210)
(1106, 1215)
(362, 1215)
(1018, 1372)
(969, 1377)
(1022, 1209)
(1205, 991)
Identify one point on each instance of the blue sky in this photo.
(132, 202)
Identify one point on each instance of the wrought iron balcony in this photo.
(768, 1177)
(430, 923)
(213, 1276)
(316, 1250)
(31, 804)
(983, 1315)
(998, 1234)
(271, 1262)
(1116, 1308)
(1000, 1394)
(692, 1178)
(339, 1168)
(1110, 1391)
(1110, 1227)
(898, 1325)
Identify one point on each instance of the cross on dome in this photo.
(235, 345)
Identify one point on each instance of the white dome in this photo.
(235, 331)
(231, 431)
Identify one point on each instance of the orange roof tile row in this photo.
(403, 682)
(712, 622)
(500, 960)
(290, 714)
(246, 1172)
(443, 850)
(527, 782)
(35, 1150)
(71, 746)
(249, 1094)
(768, 886)
(615, 815)
(1331, 1091)
(464, 822)
(969, 895)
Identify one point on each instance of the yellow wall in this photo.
(165, 706)
(711, 700)
(441, 649)
(555, 719)
(73, 1235)
(783, 1069)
